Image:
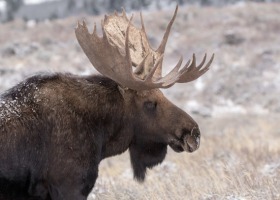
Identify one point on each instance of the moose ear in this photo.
(145, 155)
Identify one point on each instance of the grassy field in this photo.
(239, 159)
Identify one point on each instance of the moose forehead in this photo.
(154, 94)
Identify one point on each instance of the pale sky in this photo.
(2, 5)
(35, 1)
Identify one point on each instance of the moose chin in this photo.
(56, 128)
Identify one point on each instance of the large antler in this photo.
(123, 46)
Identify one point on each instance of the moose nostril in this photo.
(190, 139)
(191, 149)
(195, 132)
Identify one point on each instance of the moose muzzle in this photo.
(191, 140)
(188, 141)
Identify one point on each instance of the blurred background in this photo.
(236, 103)
(40, 10)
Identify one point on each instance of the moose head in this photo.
(124, 55)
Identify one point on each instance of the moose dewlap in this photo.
(56, 128)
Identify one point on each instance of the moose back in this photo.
(56, 128)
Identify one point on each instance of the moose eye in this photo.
(150, 105)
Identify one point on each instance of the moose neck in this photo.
(116, 123)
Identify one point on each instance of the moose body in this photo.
(55, 129)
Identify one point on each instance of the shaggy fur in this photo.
(55, 130)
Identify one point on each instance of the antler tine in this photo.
(127, 52)
(141, 65)
(124, 13)
(191, 72)
(153, 70)
(175, 70)
(173, 76)
(94, 29)
(193, 63)
(202, 62)
(84, 23)
(142, 22)
(206, 68)
(189, 66)
(163, 43)
(143, 28)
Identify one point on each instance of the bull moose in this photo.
(56, 128)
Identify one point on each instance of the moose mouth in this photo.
(188, 142)
(176, 147)
(183, 147)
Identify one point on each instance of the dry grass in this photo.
(239, 158)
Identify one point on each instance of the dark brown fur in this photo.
(55, 130)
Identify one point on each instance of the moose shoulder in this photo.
(55, 129)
